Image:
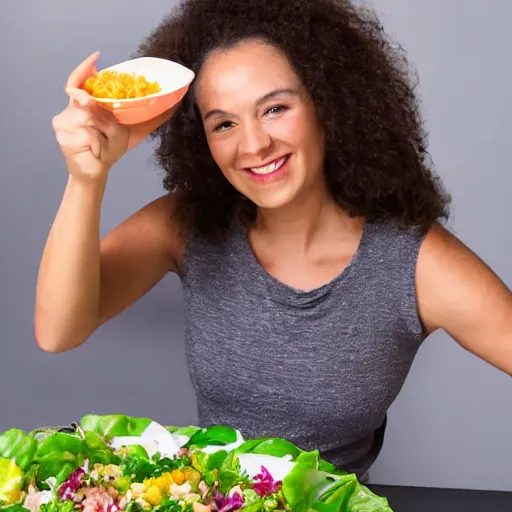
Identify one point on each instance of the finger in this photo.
(102, 120)
(79, 97)
(92, 114)
(98, 142)
(83, 71)
(72, 119)
(83, 140)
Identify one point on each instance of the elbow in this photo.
(55, 334)
(51, 343)
(49, 348)
(56, 341)
(47, 335)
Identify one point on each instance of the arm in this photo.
(459, 293)
(83, 282)
(136, 256)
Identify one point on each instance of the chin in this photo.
(272, 201)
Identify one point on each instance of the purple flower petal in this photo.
(237, 500)
(71, 485)
(228, 503)
(264, 484)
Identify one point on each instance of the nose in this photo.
(255, 139)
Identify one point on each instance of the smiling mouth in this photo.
(269, 168)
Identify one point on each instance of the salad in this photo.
(120, 463)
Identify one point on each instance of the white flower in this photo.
(178, 491)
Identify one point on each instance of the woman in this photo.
(301, 215)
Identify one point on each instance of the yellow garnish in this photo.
(163, 482)
(11, 481)
(178, 476)
(119, 86)
(192, 476)
(153, 495)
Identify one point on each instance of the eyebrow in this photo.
(263, 99)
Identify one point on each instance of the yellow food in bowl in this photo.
(119, 86)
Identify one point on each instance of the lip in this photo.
(267, 163)
(275, 175)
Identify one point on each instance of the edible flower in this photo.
(71, 485)
(228, 503)
(265, 484)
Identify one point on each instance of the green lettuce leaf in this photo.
(221, 467)
(168, 505)
(15, 444)
(97, 450)
(58, 506)
(307, 488)
(303, 484)
(60, 442)
(138, 467)
(278, 447)
(58, 454)
(13, 508)
(270, 446)
(229, 474)
(114, 425)
(199, 461)
(364, 500)
(217, 459)
(188, 431)
(252, 501)
(217, 435)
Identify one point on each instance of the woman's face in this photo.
(260, 124)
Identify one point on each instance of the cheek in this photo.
(221, 152)
(297, 131)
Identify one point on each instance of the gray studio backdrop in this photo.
(451, 425)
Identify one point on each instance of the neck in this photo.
(299, 224)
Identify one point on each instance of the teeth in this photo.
(267, 169)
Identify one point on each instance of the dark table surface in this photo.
(420, 499)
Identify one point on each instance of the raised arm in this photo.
(84, 281)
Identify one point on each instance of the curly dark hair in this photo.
(364, 91)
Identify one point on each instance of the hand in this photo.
(90, 137)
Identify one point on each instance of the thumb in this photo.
(83, 71)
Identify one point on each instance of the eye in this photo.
(277, 109)
(223, 126)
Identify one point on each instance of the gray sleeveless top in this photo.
(319, 368)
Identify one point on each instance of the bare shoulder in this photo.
(459, 293)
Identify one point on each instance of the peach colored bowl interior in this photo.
(173, 78)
